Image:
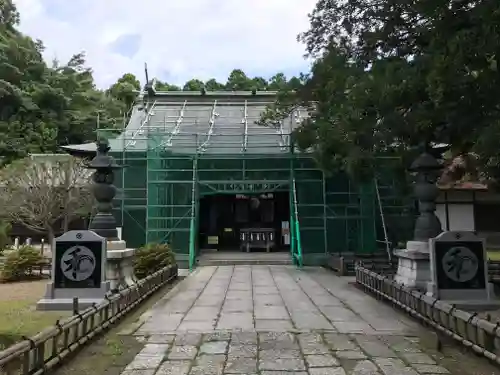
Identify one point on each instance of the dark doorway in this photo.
(223, 216)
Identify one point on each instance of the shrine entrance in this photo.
(245, 217)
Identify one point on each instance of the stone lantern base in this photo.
(414, 266)
(120, 268)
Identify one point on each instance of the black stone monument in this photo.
(79, 263)
(459, 264)
(78, 271)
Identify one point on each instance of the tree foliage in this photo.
(236, 81)
(152, 258)
(5, 241)
(20, 263)
(391, 75)
(45, 106)
(125, 89)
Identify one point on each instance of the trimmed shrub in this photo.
(5, 241)
(151, 258)
(19, 264)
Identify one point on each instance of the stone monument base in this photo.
(471, 302)
(475, 306)
(414, 270)
(65, 304)
(62, 299)
(120, 267)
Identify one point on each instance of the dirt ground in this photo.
(18, 314)
(22, 290)
(113, 351)
(108, 354)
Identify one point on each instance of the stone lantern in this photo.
(426, 169)
(414, 262)
(104, 223)
(119, 266)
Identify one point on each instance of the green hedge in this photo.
(20, 263)
(5, 241)
(151, 258)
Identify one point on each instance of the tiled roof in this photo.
(458, 185)
(217, 122)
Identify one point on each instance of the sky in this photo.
(179, 40)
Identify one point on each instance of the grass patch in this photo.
(18, 318)
(18, 314)
(493, 255)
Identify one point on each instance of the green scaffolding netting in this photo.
(174, 157)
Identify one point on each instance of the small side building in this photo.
(471, 206)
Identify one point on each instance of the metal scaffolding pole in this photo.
(194, 213)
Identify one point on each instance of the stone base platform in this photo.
(476, 306)
(62, 299)
(65, 304)
(414, 268)
(119, 268)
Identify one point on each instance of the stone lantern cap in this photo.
(425, 163)
(102, 160)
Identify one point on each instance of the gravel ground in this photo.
(31, 290)
(110, 353)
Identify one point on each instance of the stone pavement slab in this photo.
(276, 320)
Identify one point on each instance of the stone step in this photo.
(241, 258)
(240, 262)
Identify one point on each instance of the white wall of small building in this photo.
(459, 217)
(455, 209)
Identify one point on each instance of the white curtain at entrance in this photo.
(285, 232)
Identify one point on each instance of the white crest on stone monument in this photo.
(78, 263)
(460, 264)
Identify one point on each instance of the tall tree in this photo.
(23, 96)
(125, 89)
(9, 16)
(43, 192)
(163, 86)
(43, 106)
(259, 83)
(193, 85)
(238, 81)
(402, 74)
(278, 82)
(213, 85)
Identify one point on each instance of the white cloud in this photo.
(179, 40)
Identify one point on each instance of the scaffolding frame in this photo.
(160, 189)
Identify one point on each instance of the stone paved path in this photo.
(276, 320)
